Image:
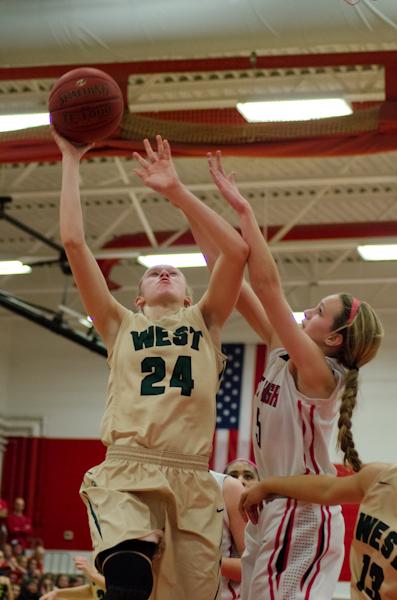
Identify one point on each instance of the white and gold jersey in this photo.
(373, 554)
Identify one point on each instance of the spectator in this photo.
(19, 526)
(62, 581)
(3, 562)
(16, 589)
(7, 552)
(29, 590)
(6, 591)
(46, 584)
(38, 554)
(78, 580)
(33, 568)
(3, 518)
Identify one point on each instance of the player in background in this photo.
(244, 470)
(296, 550)
(232, 536)
(373, 553)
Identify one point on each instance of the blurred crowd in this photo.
(22, 575)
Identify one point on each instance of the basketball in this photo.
(85, 105)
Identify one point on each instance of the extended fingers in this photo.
(152, 156)
(142, 161)
(219, 165)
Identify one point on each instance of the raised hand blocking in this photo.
(226, 184)
(157, 170)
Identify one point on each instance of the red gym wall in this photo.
(48, 473)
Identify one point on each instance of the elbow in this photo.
(72, 244)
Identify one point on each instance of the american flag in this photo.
(245, 364)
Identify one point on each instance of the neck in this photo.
(158, 311)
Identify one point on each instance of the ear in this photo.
(140, 302)
(187, 301)
(334, 339)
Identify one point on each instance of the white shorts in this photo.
(294, 553)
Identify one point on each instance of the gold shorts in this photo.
(136, 492)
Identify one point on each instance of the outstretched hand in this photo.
(67, 148)
(83, 564)
(250, 504)
(226, 184)
(157, 170)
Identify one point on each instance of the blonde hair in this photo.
(362, 336)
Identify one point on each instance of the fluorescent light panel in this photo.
(293, 110)
(378, 252)
(191, 259)
(13, 267)
(23, 121)
(299, 316)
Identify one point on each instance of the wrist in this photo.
(70, 159)
(176, 191)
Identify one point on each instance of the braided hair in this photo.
(362, 332)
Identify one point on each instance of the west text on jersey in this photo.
(158, 336)
(369, 530)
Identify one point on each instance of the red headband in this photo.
(353, 310)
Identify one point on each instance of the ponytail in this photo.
(345, 437)
(362, 333)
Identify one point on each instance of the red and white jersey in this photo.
(230, 590)
(292, 432)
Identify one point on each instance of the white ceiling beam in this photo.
(143, 219)
(282, 232)
(28, 170)
(116, 222)
(243, 185)
(286, 247)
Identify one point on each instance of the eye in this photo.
(248, 476)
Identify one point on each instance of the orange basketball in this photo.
(86, 105)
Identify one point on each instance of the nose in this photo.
(164, 272)
(307, 313)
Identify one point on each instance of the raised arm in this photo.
(104, 310)
(307, 357)
(158, 172)
(247, 303)
(315, 489)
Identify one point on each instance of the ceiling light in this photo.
(23, 121)
(13, 267)
(294, 110)
(192, 259)
(378, 252)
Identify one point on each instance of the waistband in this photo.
(159, 457)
